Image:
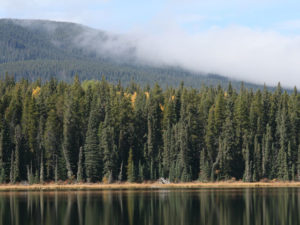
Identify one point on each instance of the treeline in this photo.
(95, 131)
(67, 69)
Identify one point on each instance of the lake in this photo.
(257, 206)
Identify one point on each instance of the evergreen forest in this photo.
(96, 131)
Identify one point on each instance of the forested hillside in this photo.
(96, 131)
(34, 49)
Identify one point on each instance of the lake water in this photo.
(257, 206)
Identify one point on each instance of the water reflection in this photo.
(205, 207)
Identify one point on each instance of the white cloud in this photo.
(291, 25)
(242, 53)
(13, 4)
(190, 18)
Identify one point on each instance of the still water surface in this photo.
(257, 206)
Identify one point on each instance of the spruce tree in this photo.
(5, 151)
(141, 172)
(204, 174)
(283, 133)
(267, 153)
(298, 164)
(167, 151)
(16, 166)
(210, 136)
(219, 113)
(72, 131)
(52, 143)
(12, 177)
(56, 171)
(130, 167)
(30, 177)
(183, 158)
(107, 148)
(248, 163)
(80, 166)
(42, 169)
(91, 147)
(120, 176)
(257, 158)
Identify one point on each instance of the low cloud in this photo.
(241, 53)
(15, 4)
(254, 55)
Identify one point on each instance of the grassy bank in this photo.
(125, 186)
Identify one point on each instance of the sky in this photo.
(250, 40)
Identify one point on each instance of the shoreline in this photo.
(146, 186)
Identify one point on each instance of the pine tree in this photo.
(183, 158)
(204, 167)
(283, 132)
(30, 122)
(72, 131)
(80, 167)
(154, 134)
(257, 158)
(42, 169)
(283, 167)
(56, 172)
(150, 149)
(91, 148)
(30, 177)
(120, 177)
(241, 117)
(13, 114)
(108, 148)
(141, 172)
(2, 174)
(248, 164)
(69, 141)
(5, 149)
(16, 167)
(130, 167)
(219, 113)
(52, 143)
(231, 162)
(210, 136)
(266, 153)
(12, 169)
(298, 164)
(167, 137)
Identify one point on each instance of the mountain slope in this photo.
(34, 49)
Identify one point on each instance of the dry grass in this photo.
(125, 186)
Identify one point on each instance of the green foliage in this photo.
(108, 148)
(52, 143)
(130, 168)
(91, 148)
(204, 173)
(105, 132)
(72, 127)
(80, 166)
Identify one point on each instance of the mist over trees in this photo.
(97, 131)
(41, 49)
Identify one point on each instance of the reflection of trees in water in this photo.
(205, 207)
